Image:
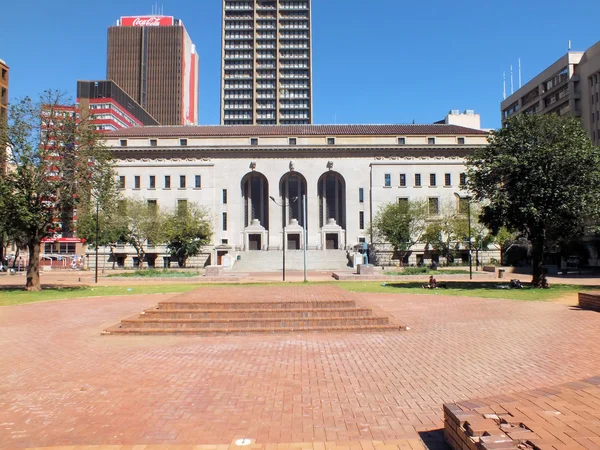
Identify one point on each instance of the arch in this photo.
(292, 186)
(331, 189)
(255, 192)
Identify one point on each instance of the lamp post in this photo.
(97, 232)
(468, 199)
(283, 205)
(304, 233)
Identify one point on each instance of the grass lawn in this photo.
(16, 296)
(425, 271)
(153, 273)
(468, 289)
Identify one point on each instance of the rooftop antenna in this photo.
(504, 85)
(569, 44)
(519, 73)
(512, 85)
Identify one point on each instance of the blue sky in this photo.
(383, 61)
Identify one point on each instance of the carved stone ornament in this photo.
(253, 165)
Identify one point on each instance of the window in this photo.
(292, 141)
(463, 205)
(152, 182)
(448, 179)
(403, 200)
(224, 196)
(330, 141)
(254, 141)
(121, 182)
(152, 205)
(401, 141)
(167, 181)
(417, 179)
(182, 181)
(463, 179)
(224, 241)
(197, 181)
(182, 206)
(123, 142)
(461, 141)
(431, 141)
(434, 206)
(183, 142)
(137, 182)
(224, 221)
(432, 181)
(388, 180)
(361, 220)
(153, 142)
(361, 195)
(402, 180)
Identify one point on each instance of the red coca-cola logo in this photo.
(149, 21)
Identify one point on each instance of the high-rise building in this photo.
(109, 107)
(266, 62)
(153, 59)
(3, 89)
(570, 86)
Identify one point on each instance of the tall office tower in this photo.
(3, 90)
(266, 62)
(154, 61)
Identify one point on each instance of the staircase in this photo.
(271, 260)
(183, 316)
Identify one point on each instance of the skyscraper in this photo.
(155, 62)
(3, 90)
(266, 62)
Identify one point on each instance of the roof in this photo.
(294, 130)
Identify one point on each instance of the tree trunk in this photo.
(33, 269)
(537, 253)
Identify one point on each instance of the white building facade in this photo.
(346, 172)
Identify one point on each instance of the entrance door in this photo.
(254, 242)
(331, 241)
(293, 241)
(220, 254)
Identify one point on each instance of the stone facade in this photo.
(250, 177)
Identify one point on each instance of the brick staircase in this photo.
(181, 316)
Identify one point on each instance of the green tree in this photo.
(187, 230)
(504, 238)
(401, 224)
(539, 176)
(446, 231)
(52, 157)
(143, 224)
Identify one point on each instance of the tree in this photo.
(401, 224)
(539, 176)
(143, 225)
(51, 159)
(504, 238)
(445, 232)
(187, 230)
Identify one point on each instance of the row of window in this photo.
(418, 180)
(291, 141)
(137, 182)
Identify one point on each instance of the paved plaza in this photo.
(65, 384)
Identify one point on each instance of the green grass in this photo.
(17, 296)
(468, 289)
(153, 273)
(425, 271)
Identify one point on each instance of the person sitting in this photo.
(432, 283)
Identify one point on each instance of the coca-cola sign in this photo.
(147, 21)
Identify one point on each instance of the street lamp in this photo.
(97, 232)
(283, 205)
(468, 199)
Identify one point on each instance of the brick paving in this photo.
(65, 384)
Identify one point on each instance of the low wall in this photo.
(590, 300)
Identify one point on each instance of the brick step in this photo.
(255, 314)
(283, 304)
(233, 330)
(254, 323)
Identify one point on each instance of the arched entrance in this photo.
(292, 187)
(331, 189)
(255, 192)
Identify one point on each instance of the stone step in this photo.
(255, 314)
(256, 305)
(246, 323)
(233, 330)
